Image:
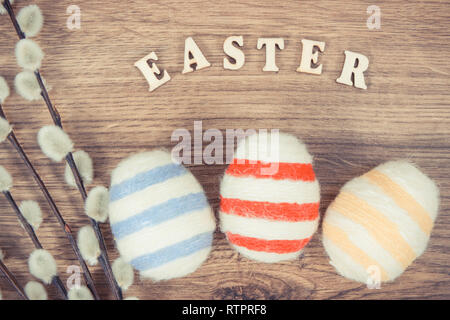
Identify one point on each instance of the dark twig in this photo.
(12, 280)
(56, 281)
(11, 14)
(44, 93)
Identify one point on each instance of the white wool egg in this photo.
(380, 222)
(269, 207)
(159, 215)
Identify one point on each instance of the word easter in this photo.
(355, 64)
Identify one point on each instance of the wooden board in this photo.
(108, 112)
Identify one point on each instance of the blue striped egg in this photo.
(160, 216)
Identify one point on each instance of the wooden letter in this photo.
(150, 70)
(191, 48)
(270, 44)
(308, 56)
(356, 64)
(233, 52)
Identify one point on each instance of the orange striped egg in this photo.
(380, 222)
(270, 196)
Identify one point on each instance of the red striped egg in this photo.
(269, 207)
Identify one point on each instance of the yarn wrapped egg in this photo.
(270, 196)
(160, 216)
(380, 222)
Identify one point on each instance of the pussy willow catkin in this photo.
(270, 196)
(380, 222)
(160, 216)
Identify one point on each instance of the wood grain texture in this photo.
(108, 112)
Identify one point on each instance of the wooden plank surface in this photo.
(108, 112)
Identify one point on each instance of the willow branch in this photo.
(69, 159)
(30, 231)
(104, 261)
(65, 227)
